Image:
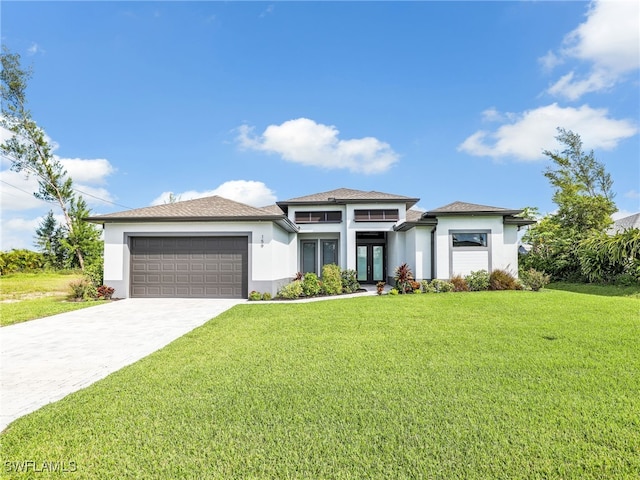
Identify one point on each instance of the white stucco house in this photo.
(215, 247)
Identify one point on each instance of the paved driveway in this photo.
(44, 360)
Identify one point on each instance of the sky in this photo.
(265, 101)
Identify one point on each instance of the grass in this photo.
(27, 296)
(598, 289)
(466, 385)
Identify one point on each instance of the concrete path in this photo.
(42, 361)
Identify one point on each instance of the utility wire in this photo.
(72, 188)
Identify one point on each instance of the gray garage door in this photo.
(200, 267)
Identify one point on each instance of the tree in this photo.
(48, 239)
(584, 195)
(29, 151)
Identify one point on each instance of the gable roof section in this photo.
(342, 196)
(213, 208)
(625, 223)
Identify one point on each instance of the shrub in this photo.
(331, 279)
(478, 281)
(20, 260)
(95, 271)
(403, 277)
(426, 287)
(604, 257)
(503, 280)
(254, 296)
(104, 292)
(441, 286)
(349, 281)
(393, 291)
(459, 284)
(626, 280)
(380, 287)
(266, 296)
(82, 289)
(534, 279)
(291, 290)
(310, 284)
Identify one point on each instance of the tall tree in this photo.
(28, 149)
(584, 196)
(48, 239)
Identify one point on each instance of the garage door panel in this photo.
(214, 267)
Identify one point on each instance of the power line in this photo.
(72, 188)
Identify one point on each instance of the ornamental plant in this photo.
(404, 278)
(331, 279)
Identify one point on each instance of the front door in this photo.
(370, 263)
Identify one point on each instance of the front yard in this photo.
(458, 385)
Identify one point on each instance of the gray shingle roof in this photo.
(414, 215)
(464, 207)
(632, 221)
(201, 208)
(344, 195)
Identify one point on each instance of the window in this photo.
(376, 215)
(332, 216)
(309, 257)
(312, 259)
(469, 239)
(329, 252)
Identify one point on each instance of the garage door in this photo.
(199, 267)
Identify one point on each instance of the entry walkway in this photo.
(42, 361)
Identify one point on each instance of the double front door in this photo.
(370, 263)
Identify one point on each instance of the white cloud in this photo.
(35, 48)
(632, 194)
(252, 193)
(609, 41)
(621, 214)
(87, 171)
(533, 131)
(16, 192)
(18, 233)
(309, 143)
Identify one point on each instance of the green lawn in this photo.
(462, 385)
(26, 296)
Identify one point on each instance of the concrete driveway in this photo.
(44, 360)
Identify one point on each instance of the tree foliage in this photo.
(584, 196)
(29, 152)
(604, 258)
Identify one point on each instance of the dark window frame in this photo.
(318, 216)
(481, 233)
(376, 215)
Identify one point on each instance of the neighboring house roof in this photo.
(213, 208)
(414, 215)
(347, 195)
(622, 224)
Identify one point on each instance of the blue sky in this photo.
(264, 101)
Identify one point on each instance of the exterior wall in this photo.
(501, 254)
(346, 230)
(269, 258)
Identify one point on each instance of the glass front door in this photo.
(370, 263)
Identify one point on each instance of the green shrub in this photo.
(380, 287)
(478, 281)
(291, 290)
(82, 289)
(331, 279)
(393, 291)
(349, 281)
(310, 284)
(20, 260)
(266, 296)
(534, 279)
(441, 286)
(426, 287)
(604, 258)
(626, 280)
(459, 284)
(255, 296)
(95, 271)
(503, 280)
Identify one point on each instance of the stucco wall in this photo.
(502, 253)
(270, 255)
